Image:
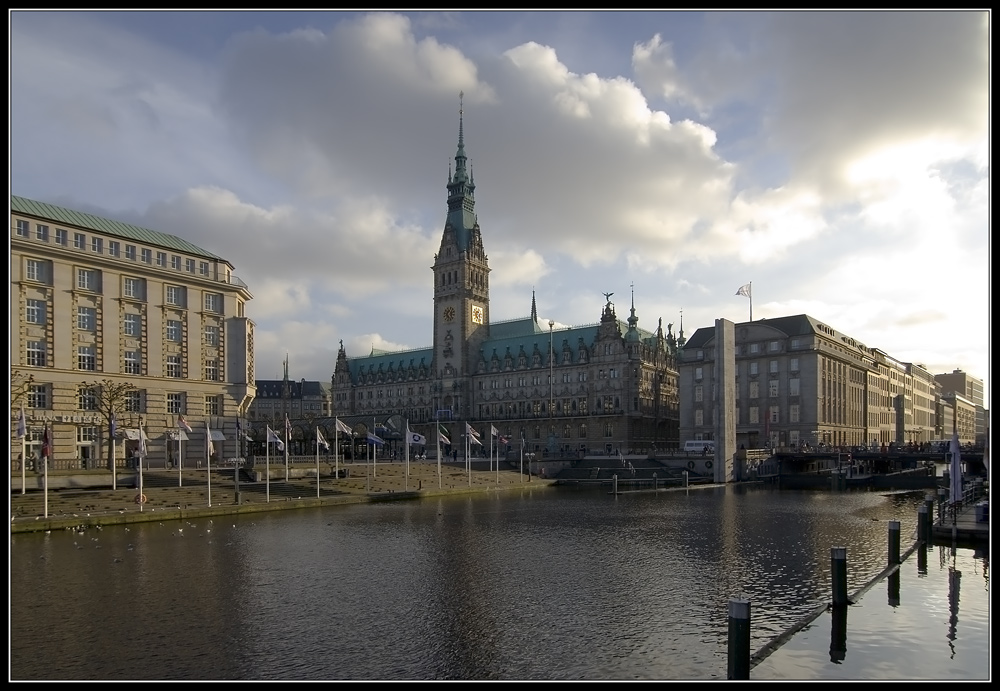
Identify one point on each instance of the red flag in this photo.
(46, 443)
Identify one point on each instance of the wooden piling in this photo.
(739, 639)
(838, 575)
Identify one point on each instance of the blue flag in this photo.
(372, 439)
(113, 426)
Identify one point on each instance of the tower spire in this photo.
(534, 312)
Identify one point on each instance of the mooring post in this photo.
(739, 639)
(685, 478)
(838, 575)
(654, 482)
(894, 542)
(614, 484)
(922, 524)
(929, 500)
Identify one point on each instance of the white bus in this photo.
(699, 445)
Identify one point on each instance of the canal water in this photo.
(559, 584)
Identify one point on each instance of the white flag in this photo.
(320, 441)
(22, 428)
(744, 290)
(183, 424)
(471, 432)
(208, 435)
(343, 428)
(273, 438)
(494, 432)
(414, 438)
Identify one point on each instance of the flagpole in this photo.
(286, 446)
(267, 465)
(208, 456)
(142, 454)
(374, 451)
(468, 458)
(521, 465)
(24, 452)
(336, 447)
(45, 459)
(406, 450)
(317, 461)
(751, 298)
(180, 457)
(437, 437)
(114, 468)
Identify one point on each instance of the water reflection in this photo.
(559, 584)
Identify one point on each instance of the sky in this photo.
(835, 161)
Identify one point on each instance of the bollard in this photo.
(614, 484)
(685, 478)
(922, 559)
(894, 542)
(929, 500)
(838, 575)
(654, 482)
(922, 524)
(739, 639)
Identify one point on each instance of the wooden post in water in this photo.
(894, 542)
(654, 482)
(838, 575)
(923, 524)
(739, 639)
(614, 484)
(929, 500)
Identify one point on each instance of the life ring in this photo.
(690, 465)
(140, 499)
(708, 464)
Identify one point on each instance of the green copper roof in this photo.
(79, 219)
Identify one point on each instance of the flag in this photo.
(46, 443)
(372, 439)
(471, 432)
(321, 443)
(342, 427)
(183, 424)
(273, 438)
(494, 432)
(503, 440)
(474, 440)
(112, 425)
(414, 438)
(208, 436)
(442, 437)
(22, 428)
(240, 431)
(142, 440)
(744, 290)
(288, 427)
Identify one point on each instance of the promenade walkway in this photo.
(165, 500)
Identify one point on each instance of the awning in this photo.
(218, 436)
(133, 434)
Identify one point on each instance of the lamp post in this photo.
(551, 385)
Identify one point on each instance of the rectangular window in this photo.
(773, 366)
(189, 265)
(774, 414)
(86, 318)
(174, 403)
(147, 256)
(23, 228)
(161, 259)
(793, 365)
(79, 241)
(86, 435)
(173, 330)
(212, 370)
(175, 295)
(62, 237)
(212, 335)
(41, 232)
(114, 248)
(213, 405)
(38, 396)
(133, 288)
(97, 245)
(774, 346)
(133, 362)
(203, 268)
(86, 398)
(699, 417)
(132, 325)
(86, 358)
(35, 352)
(87, 279)
(175, 262)
(754, 415)
(754, 389)
(130, 252)
(772, 388)
(793, 413)
(133, 401)
(213, 302)
(793, 387)
(34, 311)
(753, 369)
(698, 373)
(755, 347)
(174, 366)
(698, 393)
(34, 270)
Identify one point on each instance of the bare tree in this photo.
(112, 397)
(20, 384)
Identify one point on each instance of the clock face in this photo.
(449, 313)
(477, 315)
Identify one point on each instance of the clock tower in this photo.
(461, 290)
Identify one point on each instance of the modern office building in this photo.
(604, 387)
(799, 381)
(970, 389)
(110, 316)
